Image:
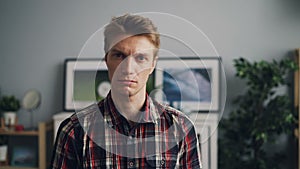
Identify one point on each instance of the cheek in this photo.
(145, 74)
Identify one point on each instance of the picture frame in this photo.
(24, 156)
(86, 81)
(3, 154)
(189, 83)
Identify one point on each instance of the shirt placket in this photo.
(132, 160)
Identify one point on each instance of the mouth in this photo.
(127, 82)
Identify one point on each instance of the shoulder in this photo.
(174, 116)
(73, 126)
(168, 110)
(67, 128)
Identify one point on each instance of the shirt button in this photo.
(131, 163)
(162, 162)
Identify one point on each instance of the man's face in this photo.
(130, 62)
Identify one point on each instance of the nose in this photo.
(127, 65)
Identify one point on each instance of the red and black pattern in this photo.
(100, 137)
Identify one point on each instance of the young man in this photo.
(128, 129)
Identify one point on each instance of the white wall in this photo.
(36, 37)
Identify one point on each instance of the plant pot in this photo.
(9, 118)
(3, 153)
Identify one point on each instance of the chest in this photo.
(140, 147)
(98, 157)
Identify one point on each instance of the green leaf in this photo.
(260, 115)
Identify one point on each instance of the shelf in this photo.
(16, 167)
(20, 133)
(42, 140)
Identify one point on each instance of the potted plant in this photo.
(260, 116)
(9, 105)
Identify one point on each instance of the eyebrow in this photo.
(116, 50)
(141, 53)
(135, 54)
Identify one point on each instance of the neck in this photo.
(129, 106)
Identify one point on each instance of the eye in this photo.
(141, 58)
(118, 55)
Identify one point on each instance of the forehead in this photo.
(134, 44)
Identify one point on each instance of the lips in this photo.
(127, 82)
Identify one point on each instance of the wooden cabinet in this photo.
(40, 141)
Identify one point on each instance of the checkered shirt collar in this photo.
(113, 117)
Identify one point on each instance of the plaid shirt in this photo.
(100, 137)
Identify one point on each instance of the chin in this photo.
(122, 92)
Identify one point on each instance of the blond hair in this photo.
(130, 25)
